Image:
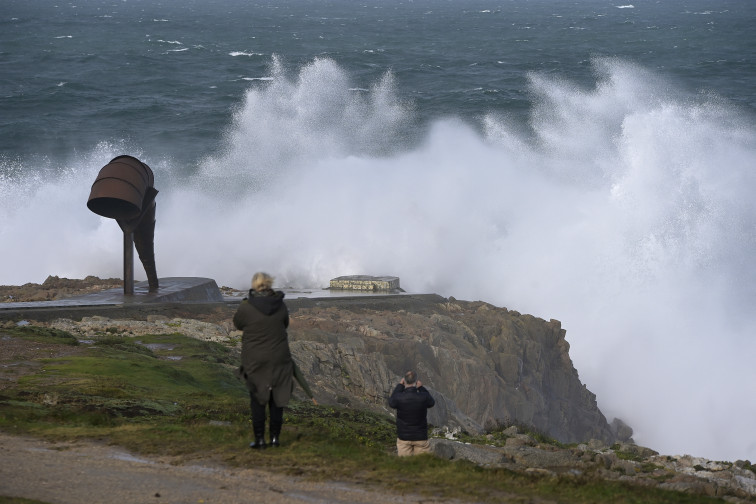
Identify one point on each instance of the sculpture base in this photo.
(171, 290)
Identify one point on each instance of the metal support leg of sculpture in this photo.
(144, 239)
(128, 263)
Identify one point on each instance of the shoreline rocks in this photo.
(735, 482)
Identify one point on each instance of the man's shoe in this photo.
(258, 444)
(275, 442)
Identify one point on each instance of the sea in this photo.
(590, 161)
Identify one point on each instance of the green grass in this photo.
(42, 335)
(18, 500)
(169, 394)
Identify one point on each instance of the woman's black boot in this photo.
(276, 422)
(258, 423)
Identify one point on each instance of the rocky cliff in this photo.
(485, 365)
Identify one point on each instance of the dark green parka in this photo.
(267, 367)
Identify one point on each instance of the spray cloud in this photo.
(625, 211)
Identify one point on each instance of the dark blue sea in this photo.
(590, 161)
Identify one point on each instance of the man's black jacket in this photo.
(411, 405)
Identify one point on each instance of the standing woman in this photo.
(267, 366)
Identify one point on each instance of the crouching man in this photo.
(411, 401)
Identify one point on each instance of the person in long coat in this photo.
(267, 367)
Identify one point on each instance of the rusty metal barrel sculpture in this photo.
(120, 188)
(123, 190)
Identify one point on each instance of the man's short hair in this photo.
(410, 377)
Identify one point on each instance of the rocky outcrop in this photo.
(627, 462)
(96, 326)
(485, 365)
(56, 288)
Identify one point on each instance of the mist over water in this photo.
(625, 210)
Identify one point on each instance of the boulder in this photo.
(621, 431)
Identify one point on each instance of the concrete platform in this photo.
(178, 297)
(316, 293)
(172, 290)
(366, 283)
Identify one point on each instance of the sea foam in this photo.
(625, 210)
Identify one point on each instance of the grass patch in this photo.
(42, 335)
(18, 500)
(173, 395)
(121, 379)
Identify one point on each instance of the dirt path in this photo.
(90, 472)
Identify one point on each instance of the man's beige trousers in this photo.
(407, 448)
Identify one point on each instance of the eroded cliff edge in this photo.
(485, 365)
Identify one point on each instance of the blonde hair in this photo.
(262, 281)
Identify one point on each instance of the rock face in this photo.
(485, 365)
